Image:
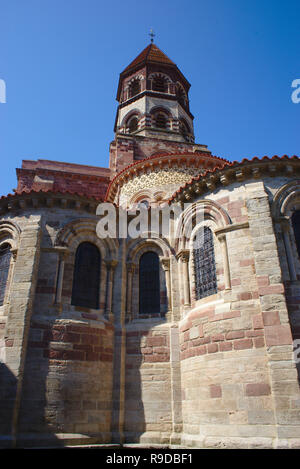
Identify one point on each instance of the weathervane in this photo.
(151, 34)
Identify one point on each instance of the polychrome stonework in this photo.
(212, 372)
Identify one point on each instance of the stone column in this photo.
(22, 290)
(184, 256)
(222, 239)
(285, 228)
(110, 268)
(165, 262)
(62, 255)
(130, 272)
(277, 331)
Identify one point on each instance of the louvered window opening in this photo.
(296, 229)
(133, 124)
(149, 287)
(86, 281)
(135, 88)
(5, 258)
(161, 121)
(204, 264)
(160, 84)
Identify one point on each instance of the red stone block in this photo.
(257, 321)
(212, 348)
(225, 346)
(278, 335)
(215, 391)
(259, 342)
(156, 341)
(242, 344)
(271, 290)
(270, 318)
(235, 335)
(258, 389)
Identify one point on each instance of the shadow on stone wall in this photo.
(8, 390)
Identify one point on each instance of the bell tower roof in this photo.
(151, 54)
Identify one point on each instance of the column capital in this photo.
(165, 262)
(184, 255)
(131, 266)
(111, 264)
(62, 252)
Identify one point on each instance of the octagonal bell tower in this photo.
(153, 114)
(153, 98)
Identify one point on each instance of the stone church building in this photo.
(177, 340)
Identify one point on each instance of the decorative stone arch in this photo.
(156, 112)
(184, 129)
(199, 211)
(126, 90)
(10, 233)
(285, 203)
(203, 213)
(141, 195)
(9, 236)
(67, 241)
(135, 250)
(126, 119)
(155, 75)
(159, 196)
(134, 78)
(180, 91)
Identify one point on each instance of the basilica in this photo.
(189, 338)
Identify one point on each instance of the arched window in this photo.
(86, 280)
(204, 263)
(133, 124)
(184, 130)
(160, 121)
(296, 229)
(160, 84)
(134, 88)
(5, 257)
(149, 289)
(181, 96)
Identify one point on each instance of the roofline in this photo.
(228, 174)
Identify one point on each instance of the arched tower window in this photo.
(149, 285)
(181, 96)
(296, 229)
(160, 121)
(86, 280)
(160, 84)
(134, 88)
(5, 257)
(133, 124)
(184, 130)
(204, 264)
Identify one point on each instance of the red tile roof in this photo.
(151, 54)
(232, 164)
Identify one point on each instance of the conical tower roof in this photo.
(151, 54)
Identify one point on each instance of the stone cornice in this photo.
(32, 200)
(199, 159)
(234, 172)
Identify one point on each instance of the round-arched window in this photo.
(149, 289)
(86, 279)
(5, 258)
(133, 124)
(134, 88)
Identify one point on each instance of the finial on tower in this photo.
(151, 34)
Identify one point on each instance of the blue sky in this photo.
(61, 60)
